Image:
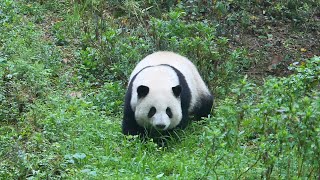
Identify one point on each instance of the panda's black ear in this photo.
(177, 90)
(142, 91)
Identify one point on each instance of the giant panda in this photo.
(164, 90)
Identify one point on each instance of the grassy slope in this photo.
(71, 129)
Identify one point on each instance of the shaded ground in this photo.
(275, 47)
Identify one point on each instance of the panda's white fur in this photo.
(160, 72)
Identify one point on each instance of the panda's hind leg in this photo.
(203, 107)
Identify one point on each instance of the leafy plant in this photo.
(276, 121)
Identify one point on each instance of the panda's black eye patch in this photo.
(152, 111)
(169, 113)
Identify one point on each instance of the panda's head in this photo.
(158, 108)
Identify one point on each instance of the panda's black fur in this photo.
(201, 109)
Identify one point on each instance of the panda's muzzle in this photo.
(160, 121)
(160, 126)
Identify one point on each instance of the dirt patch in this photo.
(274, 46)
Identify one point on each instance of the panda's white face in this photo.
(158, 108)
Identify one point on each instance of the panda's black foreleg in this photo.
(130, 126)
(203, 107)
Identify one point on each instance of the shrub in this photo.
(277, 122)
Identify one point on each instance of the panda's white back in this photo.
(186, 67)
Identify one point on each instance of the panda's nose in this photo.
(160, 126)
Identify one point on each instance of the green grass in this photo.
(63, 76)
